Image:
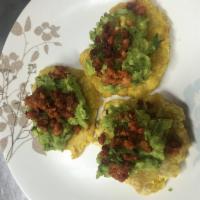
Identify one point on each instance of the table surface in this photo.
(9, 11)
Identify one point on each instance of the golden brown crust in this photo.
(159, 23)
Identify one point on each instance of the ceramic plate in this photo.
(55, 32)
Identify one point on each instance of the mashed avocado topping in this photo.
(58, 108)
(134, 138)
(121, 50)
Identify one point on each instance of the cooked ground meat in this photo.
(129, 157)
(59, 72)
(173, 144)
(111, 50)
(34, 114)
(123, 144)
(116, 142)
(136, 7)
(102, 138)
(132, 136)
(128, 144)
(65, 104)
(49, 108)
(57, 128)
(145, 146)
(113, 77)
(76, 129)
(37, 101)
(119, 172)
(42, 122)
(104, 153)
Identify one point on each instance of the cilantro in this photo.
(154, 44)
(170, 189)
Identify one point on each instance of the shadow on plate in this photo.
(188, 122)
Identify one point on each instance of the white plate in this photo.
(67, 24)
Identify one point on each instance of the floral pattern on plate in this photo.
(15, 129)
